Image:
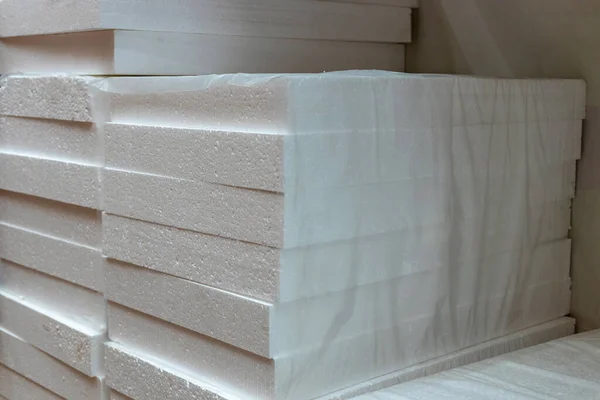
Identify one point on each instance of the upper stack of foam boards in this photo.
(52, 308)
(287, 236)
(186, 37)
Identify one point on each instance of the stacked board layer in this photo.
(186, 37)
(286, 236)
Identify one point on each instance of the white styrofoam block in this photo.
(566, 368)
(67, 182)
(278, 162)
(125, 369)
(84, 307)
(114, 395)
(389, 3)
(15, 386)
(295, 104)
(505, 344)
(235, 319)
(47, 371)
(272, 330)
(54, 139)
(302, 375)
(75, 263)
(262, 18)
(59, 97)
(289, 274)
(71, 223)
(125, 52)
(75, 345)
(311, 216)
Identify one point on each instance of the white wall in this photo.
(530, 38)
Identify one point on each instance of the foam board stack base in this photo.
(301, 234)
(53, 312)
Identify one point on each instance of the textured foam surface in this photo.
(53, 97)
(262, 18)
(273, 330)
(14, 386)
(319, 215)
(294, 104)
(566, 368)
(167, 53)
(63, 221)
(144, 351)
(67, 182)
(114, 395)
(46, 370)
(73, 302)
(75, 263)
(75, 345)
(60, 140)
(275, 162)
(289, 274)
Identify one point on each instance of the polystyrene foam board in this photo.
(67, 182)
(114, 395)
(197, 358)
(75, 345)
(295, 104)
(69, 261)
(285, 275)
(54, 139)
(389, 3)
(317, 215)
(67, 222)
(167, 53)
(275, 329)
(528, 337)
(59, 97)
(47, 371)
(566, 368)
(84, 307)
(262, 18)
(14, 386)
(277, 162)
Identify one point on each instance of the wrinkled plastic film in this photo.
(419, 215)
(526, 374)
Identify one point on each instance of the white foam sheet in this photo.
(390, 3)
(321, 215)
(282, 328)
(67, 182)
(14, 386)
(60, 97)
(75, 263)
(74, 303)
(263, 18)
(140, 353)
(567, 368)
(76, 345)
(114, 395)
(55, 139)
(78, 225)
(290, 274)
(167, 53)
(258, 161)
(47, 371)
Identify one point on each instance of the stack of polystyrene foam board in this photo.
(157, 37)
(306, 233)
(52, 307)
(566, 368)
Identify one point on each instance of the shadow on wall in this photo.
(530, 38)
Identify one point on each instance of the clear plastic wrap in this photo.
(566, 369)
(391, 218)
